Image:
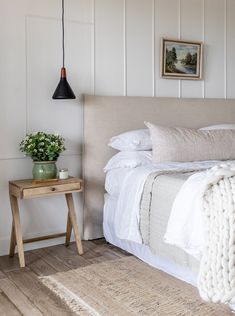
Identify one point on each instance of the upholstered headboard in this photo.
(106, 116)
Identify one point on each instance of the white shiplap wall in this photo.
(112, 48)
(30, 32)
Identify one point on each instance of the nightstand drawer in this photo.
(52, 189)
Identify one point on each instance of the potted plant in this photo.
(44, 149)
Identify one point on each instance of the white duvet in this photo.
(126, 221)
(186, 225)
(185, 228)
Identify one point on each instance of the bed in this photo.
(105, 117)
(137, 211)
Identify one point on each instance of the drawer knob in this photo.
(53, 189)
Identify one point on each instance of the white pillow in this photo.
(219, 126)
(129, 159)
(186, 144)
(132, 140)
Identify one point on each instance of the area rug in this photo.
(125, 287)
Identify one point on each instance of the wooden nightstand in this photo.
(27, 189)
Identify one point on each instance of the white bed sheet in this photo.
(141, 251)
(114, 179)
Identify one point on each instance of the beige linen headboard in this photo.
(106, 116)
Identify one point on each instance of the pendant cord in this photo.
(63, 31)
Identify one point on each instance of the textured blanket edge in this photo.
(217, 268)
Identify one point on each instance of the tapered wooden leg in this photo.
(13, 241)
(73, 220)
(17, 229)
(68, 231)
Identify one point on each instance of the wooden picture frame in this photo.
(181, 59)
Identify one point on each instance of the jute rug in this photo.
(125, 287)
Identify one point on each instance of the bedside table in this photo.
(28, 189)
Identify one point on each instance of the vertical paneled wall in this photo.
(138, 25)
(192, 27)
(138, 37)
(109, 47)
(215, 56)
(112, 48)
(166, 24)
(31, 57)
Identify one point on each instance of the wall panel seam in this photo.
(21, 158)
(94, 48)
(125, 47)
(203, 40)
(179, 34)
(225, 49)
(153, 49)
(57, 19)
(12, 158)
(26, 78)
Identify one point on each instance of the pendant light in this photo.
(63, 90)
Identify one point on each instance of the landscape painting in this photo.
(181, 59)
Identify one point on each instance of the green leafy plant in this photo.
(41, 146)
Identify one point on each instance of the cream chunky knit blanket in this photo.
(216, 281)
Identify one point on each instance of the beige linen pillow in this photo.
(186, 144)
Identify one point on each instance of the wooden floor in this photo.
(21, 293)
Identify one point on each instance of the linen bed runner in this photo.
(159, 192)
(158, 196)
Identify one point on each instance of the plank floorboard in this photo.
(38, 294)
(8, 264)
(7, 308)
(51, 260)
(41, 267)
(69, 258)
(98, 248)
(102, 258)
(2, 275)
(88, 249)
(15, 295)
(99, 241)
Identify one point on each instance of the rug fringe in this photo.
(75, 303)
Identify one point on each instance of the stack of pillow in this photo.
(135, 149)
(160, 144)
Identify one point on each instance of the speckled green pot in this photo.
(44, 170)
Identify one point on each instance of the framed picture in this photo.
(181, 59)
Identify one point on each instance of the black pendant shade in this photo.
(63, 90)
